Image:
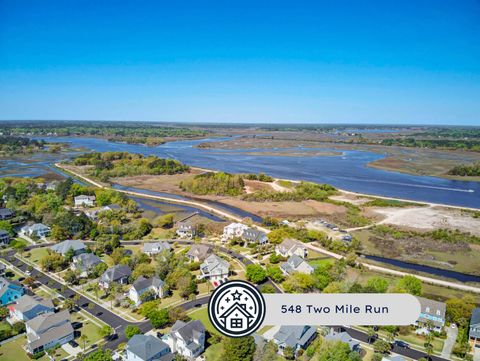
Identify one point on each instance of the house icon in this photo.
(236, 317)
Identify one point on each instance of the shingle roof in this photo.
(43, 322)
(3, 233)
(215, 263)
(432, 306)
(156, 247)
(142, 283)
(64, 246)
(5, 212)
(146, 346)
(27, 302)
(6, 284)
(289, 244)
(200, 251)
(188, 331)
(48, 327)
(294, 335)
(253, 235)
(475, 317)
(343, 337)
(86, 261)
(116, 272)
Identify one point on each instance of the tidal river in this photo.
(347, 171)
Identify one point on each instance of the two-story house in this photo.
(4, 238)
(186, 229)
(48, 330)
(6, 213)
(10, 291)
(296, 337)
(188, 339)
(28, 307)
(84, 201)
(38, 230)
(145, 289)
(198, 253)
(432, 314)
(147, 348)
(233, 230)
(119, 273)
(289, 247)
(296, 264)
(474, 328)
(85, 263)
(215, 269)
(252, 235)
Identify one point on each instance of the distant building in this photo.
(432, 314)
(474, 328)
(345, 338)
(51, 186)
(188, 339)
(111, 207)
(296, 337)
(28, 307)
(289, 247)
(186, 229)
(156, 247)
(6, 213)
(38, 230)
(48, 330)
(78, 247)
(145, 289)
(10, 291)
(198, 252)
(85, 263)
(252, 235)
(296, 264)
(84, 201)
(116, 274)
(4, 237)
(234, 230)
(215, 269)
(147, 348)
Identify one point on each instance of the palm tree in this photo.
(96, 289)
(84, 339)
(371, 334)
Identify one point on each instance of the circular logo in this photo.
(236, 309)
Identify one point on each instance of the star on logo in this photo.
(236, 295)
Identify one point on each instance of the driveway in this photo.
(452, 333)
(476, 354)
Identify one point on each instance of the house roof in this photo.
(215, 263)
(38, 227)
(432, 306)
(6, 212)
(3, 233)
(235, 226)
(48, 327)
(156, 247)
(200, 251)
(189, 331)
(6, 284)
(292, 264)
(253, 235)
(64, 246)
(294, 335)
(146, 346)
(289, 244)
(86, 261)
(186, 226)
(27, 302)
(116, 272)
(394, 358)
(343, 337)
(45, 321)
(85, 197)
(142, 283)
(475, 320)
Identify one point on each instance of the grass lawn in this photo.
(37, 254)
(323, 261)
(202, 316)
(368, 354)
(13, 351)
(214, 352)
(18, 243)
(91, 330)
(5, 326)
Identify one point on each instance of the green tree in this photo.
(409, 284)
(377, 284)
(159, 318)
(99, 355)
(256, 273)
(106, 331)
(289, 353)
(131, 331)
(275, 273)
(84, 339)
(7, 226)
(238, 349)
(381, 346)
(69, 254)
(459, 310)
(299, 283)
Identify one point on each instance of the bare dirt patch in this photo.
(350, 198)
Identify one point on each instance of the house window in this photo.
(236, 323)
(427, 309)
(438, 312)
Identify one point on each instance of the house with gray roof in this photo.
(28, 307)
(186, 229)
(215, 269)
(147, 348)
(85, 263)
(296, 337)
(37, 230)
(289, 247)
(198, 253)
(345, 338)
(78, 247)
(296, 264)
(10, 291)
(474, 328)
(119, 273)
(145, 289)
(432, 314)
(154, 248)
(4, 238)
(252, 235)
(187, 339)
(48, 330)
(84, 201)
(6, 213)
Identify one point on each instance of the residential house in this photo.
(155, 248)
(48, 330)
(289, 247)
(147, 348)
(4, 238)
(394, 358)
(28, 307)
(188, 339)
(186, 229)
(215, 269)
(52, 186)
(252, 235)
(78, 247)
(198, 252)
(296, 264)
(233, 230)
(111, 207)
(92, 214)
(343, 337)
(6, 213)
(117, 274)
(85, 263)
(144, 289)
(10, 291)
(37, 229)
(474, 329)
(432, 314)
(84, 201)
(296, 337)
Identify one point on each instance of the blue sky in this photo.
(241, 61)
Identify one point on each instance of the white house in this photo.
(144, 289)
(215, 269)
(289, 247)
(188, 339)
(186, 229)
(48, 330)
(233, 230)
(84, 201)
(296, 264)
(37, 229)
(156, 247)
(147, 348)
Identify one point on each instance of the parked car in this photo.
(73, 343)
(401, 343)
